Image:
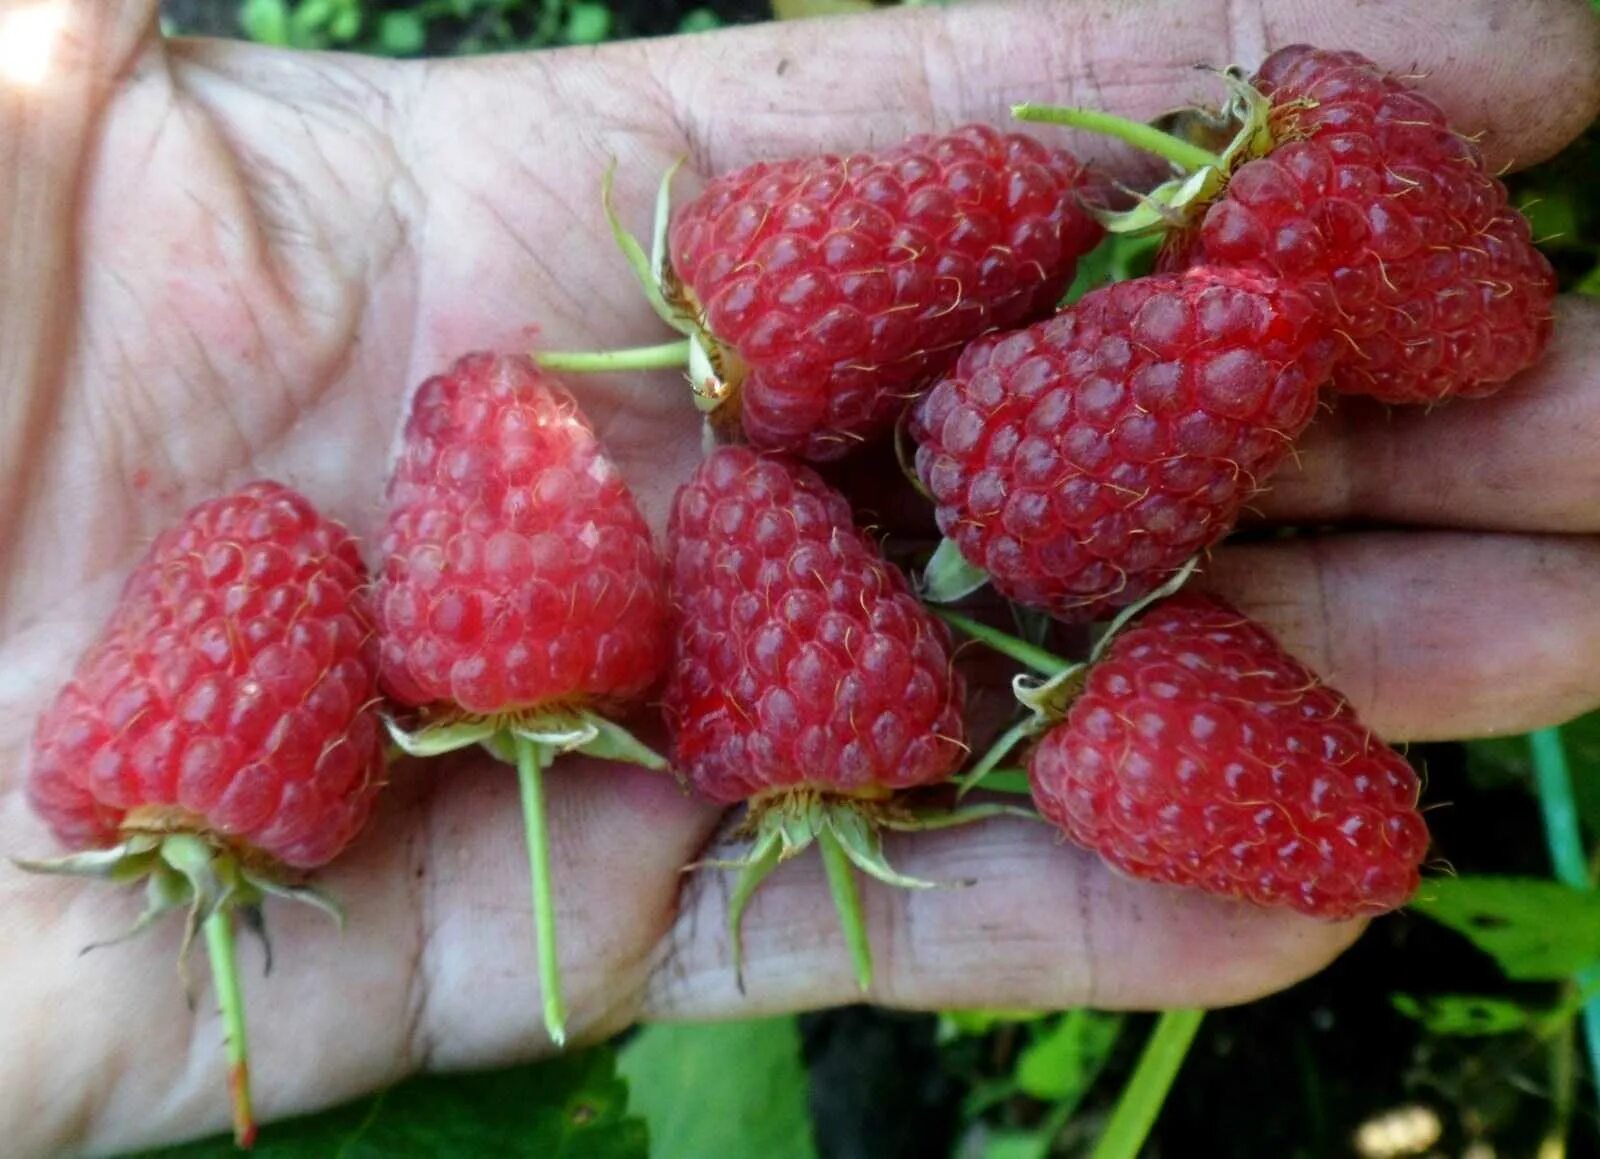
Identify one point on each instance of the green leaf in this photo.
(699, 20)
(569, 1108)
(402, 33)
(587, 24)
(265, 21)
(732, 1088)
(1536, 930)
(1063, 1062)
(1465, 1014)
(956, 1023)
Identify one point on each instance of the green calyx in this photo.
(560, 731)
(1202, 173)
(848, 834)
(696, 353)
(529, 742)
(201, 874)
(1052, 684)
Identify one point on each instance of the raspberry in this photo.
(1200, 753)
(520, 592)
(802, 661)
(220, 733)
(1376, 204)
(831, 289)
(230, 695)
(1351, 183)
(517, 571)
(806, 678)
(1081, 462)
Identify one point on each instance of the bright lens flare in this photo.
(28, 38)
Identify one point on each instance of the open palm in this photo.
(222, 262)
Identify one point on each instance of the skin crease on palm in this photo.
(222, 262)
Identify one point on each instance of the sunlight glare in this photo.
(28, 38)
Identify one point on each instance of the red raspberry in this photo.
(222, 728)
(518, 573)
(520, 590)
(1372, 201)
(1200, 753)
(230, 695)
(833, 288)
(806, 677)
(803, 661)
(1083, 461)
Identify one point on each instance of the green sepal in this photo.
(1166, 206)
(644, 268)
(304, 894)
(1023, 730)
(433, 740)
(863, 845)
(950, 576)
(765, 856)
(136, 857)
(931, 819)
(577, 730)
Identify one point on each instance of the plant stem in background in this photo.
(1142, 1098)
(1554, 779)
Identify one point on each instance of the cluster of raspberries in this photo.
(227, 731)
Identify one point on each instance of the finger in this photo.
(1044, 926)
(851, 82)
(1523, 460)
(1433, 635)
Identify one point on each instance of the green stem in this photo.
(1181, 153)
(847, 901)
(230, 1002)
(662, 356)
(531, 759)
(1141, 1099)
(1045, 663)
(1554, 778)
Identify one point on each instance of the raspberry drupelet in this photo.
(521, 596)
(221, 735)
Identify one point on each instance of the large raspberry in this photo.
(831, 289)
(1200, 753)
(806, 677)
(802, 658)
(1349, 181)
(517, 571)
(230, 695)
(1375, 202)
(520, 592)
(1082, 461)
(221, 732)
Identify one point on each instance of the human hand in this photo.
(225, 262)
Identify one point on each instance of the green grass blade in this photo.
(1141, 1100)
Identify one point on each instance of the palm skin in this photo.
(222, 262)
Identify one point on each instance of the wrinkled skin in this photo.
(221, 262)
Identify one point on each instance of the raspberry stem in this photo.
(662, 356)
(847, 901)
(1181, 153)
(230, 1002)
(1041, 661)
(531, 761)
